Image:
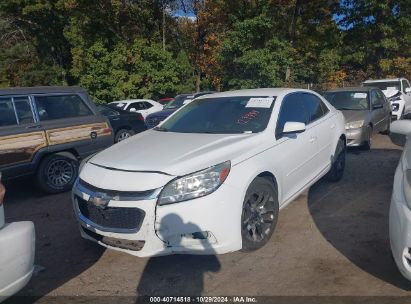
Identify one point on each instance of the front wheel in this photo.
(387, 130)
(57, 173)
(338, 165)
(368, 141)
(260, 214)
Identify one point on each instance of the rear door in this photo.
(21, 136)
(70, 122)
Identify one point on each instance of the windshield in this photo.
(120, 105)
(223, 115)
(385, 85)
(348, 100)
(179, 101)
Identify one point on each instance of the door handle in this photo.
(332, 126)
(34, 127)
(312, 139)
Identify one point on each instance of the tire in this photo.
(56, 173)
(368, 141)
(387, 131)
(259, 215)
(337, 168)
(122, 134)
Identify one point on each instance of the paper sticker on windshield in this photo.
(264, 102)
(360, 95)
(187, 101)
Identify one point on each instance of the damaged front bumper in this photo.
(133, 222)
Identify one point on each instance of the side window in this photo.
(292, 109)
(380, 96)
(376, 99)
(15, 111)
(23, 110)
(61, 106)
(313, 105)
(7, 114)
(405, 85)
(148, 105)
(137, 105)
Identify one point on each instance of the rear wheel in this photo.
(259, 215)
(123, 134)
(57, 173)
(337, 168)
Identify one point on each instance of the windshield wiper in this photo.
(160, 129)
(350, 109)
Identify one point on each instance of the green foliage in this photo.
(114, 47)
(139, 70)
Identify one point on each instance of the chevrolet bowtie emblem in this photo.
(99, 202)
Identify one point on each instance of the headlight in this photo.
(85, 161)
(195, 185)
(354, 124)
(395, 107)
(407, 187)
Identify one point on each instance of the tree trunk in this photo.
(198, 81)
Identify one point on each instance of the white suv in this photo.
(397, 91)
(212, 177)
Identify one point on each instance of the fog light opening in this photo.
(201, 235)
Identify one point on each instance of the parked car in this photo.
(154, 119)
(398, 92)
(366, 111)
(165, 100)
(124, 123)
(45, 131)
(142, 106)
(233, 160)
(17, 241)
(400, 207)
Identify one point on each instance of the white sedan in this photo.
(213, 176)
(142, 106)
(16, 253)
(400, 207)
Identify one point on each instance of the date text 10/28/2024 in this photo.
(203, 299)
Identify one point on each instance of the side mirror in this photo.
(133, 110)
(377, 106)
(402, 127)
(399, 131)
(293, 127)
(407, 90)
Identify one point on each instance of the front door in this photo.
(295, 152)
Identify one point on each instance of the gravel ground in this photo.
(333, 240)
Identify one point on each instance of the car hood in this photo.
(162, 113)
(351, 116)
(390, 92)
(177, 153)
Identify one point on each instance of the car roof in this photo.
(256, 92)
(383, 80)
(352, 89)
(41, 90)
(131, 100)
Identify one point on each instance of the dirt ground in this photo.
(331, 241)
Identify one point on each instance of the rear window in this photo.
(61, 106)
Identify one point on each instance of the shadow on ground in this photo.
(61, 254)
(353, 214)
(178, 275)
